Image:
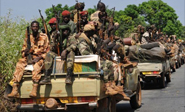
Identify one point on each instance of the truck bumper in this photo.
(147, 78)
(42, 107)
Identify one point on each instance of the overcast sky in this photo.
(29, 8)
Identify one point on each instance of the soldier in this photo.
(102, 25)
(78, 7)
(69, 45)
(84, 21)
(66, 20)
(85, 45)
(54, 50)
(147, 34)
(39, 48)
(100, 8)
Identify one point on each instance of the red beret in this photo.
(83, 13)
(52, 20)
(65, 13)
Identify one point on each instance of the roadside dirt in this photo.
(6, 104)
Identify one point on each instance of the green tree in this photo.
(132, 11)
(161, 15)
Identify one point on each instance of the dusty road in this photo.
(154, 99)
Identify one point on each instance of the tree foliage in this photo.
(161, 15)
(147, 13)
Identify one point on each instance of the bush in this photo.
(11, 40)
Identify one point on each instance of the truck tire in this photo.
(174, 68)
(168, 77)
(135, 101)
(162, 81)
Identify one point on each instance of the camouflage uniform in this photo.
(53, 51)
(94, 17)
(108, 70)
(84, 45)
(39, 47)
(71, 48)
(72, 27)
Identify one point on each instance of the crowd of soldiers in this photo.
(75, 35)
(171, 44)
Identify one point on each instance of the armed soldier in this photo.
(54, 50)
(79, 6)
(100, 8)
(69, 45)
(83, 21)
(39, 46)
(66, 21)
(85, 44)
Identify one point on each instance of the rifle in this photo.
(29, 58)
(57, 29)
(111, 24)
(45, 26)
(78, 19)
(101, 30)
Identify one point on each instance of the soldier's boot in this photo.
(69, 76)
(116, 88)
(109, 89)
(34, 90)
(125, 97)
(15, 92)
(47, 79)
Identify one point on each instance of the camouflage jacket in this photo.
(94, 16)
(39, 45)
(72, 27)
(70, 43)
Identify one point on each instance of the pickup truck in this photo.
(85, 94)
(155, 71)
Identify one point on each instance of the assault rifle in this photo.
(78, 19)
(45, 26)
(111, 24)
(29, 58)
(102, 30)
(57, 29)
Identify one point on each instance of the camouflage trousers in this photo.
(70, 59)
(50, 59)
(111, 71)
(20, 66)
(84, 48)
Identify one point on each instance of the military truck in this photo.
(87, 92)
(155, 71)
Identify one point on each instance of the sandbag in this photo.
(150, 45)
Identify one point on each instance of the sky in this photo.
(28, 9)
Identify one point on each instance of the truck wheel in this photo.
(174, 68)
(112, 105)
(168, 77)
(162, 81)
(177, 65)
(135, 101)
(180, 63)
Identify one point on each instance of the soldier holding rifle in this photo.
(34, 50)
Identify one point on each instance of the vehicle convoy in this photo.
(85, 94)
(156, 71)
